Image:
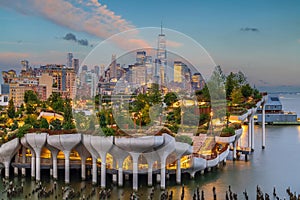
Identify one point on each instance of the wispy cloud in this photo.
(249, 29)
(90, 17)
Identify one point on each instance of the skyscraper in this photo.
(140, 57)
(25, 64)
(113, 67)
(75, 65)
(162, 57)
(179, 71)
(69, 60)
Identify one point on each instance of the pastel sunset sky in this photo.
(260, 38)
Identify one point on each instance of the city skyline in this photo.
(259, 38)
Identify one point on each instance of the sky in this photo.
(260, 38)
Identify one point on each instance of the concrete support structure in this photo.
(37, 142)
(54, 153)
(252, 133)
(83, 169)
(234, 150)
(32, 159)
(135, 170)
(103, 170)
(32, 165)
(102, 145)
(263, 126)
(6, 166)
(65, 143)
(84, 154)
(249, 132)
(94, 170)
(67, 166)
(23, 161)
(86, 141)
(178, 171)
(7, 151)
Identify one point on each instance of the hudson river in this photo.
(278, 165)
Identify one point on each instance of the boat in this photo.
(275, 114)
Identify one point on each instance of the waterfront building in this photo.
(275, 113)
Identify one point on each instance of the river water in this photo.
(278, 165)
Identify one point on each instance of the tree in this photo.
(231, 84)
(56, 124)
(256, 94)
(68, 117)
(11, 110)
(216, 84)
(102, 119)
(30, 97)
(14, 126)
(154, 95)
(56, 102)
(32, 121)
(23, 130)
(246, 90)
(30, 109)
(237, 96)
(170, 98)
(44, 123)
(241, 78)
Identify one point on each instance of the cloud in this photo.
(91, 17)
(72, 37)
(249, 29)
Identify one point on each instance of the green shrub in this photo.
(184, 139)
(23, 130)
(235, 125)
(227, 132)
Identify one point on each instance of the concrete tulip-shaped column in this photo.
(7, 151)
(102, 145)
(164, 152)
(151, 157)
(23, 161)
(137, 146)
(65, 143)
(37, 141)
(263, 126)
(119, 155)
(249, 133)
(135, 169)
(84, 154)
(252, 129)
(181, 149)
(86, 140)
(25, 144)
(54, 153)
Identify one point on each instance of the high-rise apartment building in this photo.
(69, 59)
